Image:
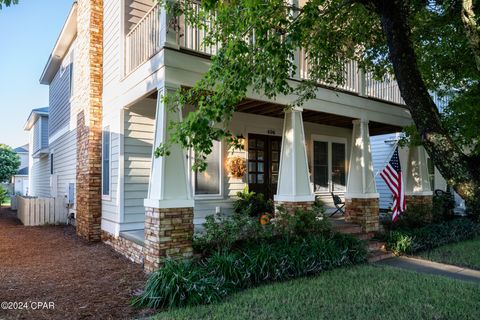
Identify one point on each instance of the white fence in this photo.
(41, 211)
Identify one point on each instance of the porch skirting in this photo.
(129, 249)
(168, 234)
(364, 212)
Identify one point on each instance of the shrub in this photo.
(3, 195)
(224, 232)
(443, 205)
(431, 236)
(252, 204)
(303, 222)
(415, 216)
(181, 283)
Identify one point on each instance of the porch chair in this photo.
(339, 204)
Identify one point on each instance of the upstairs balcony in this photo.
(143, 41)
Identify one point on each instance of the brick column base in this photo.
(290, 207)
(364, 212)
(168, 234)
(421, 200)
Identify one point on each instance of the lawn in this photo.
(362, 292)
(463, 254)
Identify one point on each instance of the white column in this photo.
(293, 179)
(417, 182)
(169, 186)
(361, 179)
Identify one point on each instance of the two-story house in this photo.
(20, 179)
(113, 62)
(38, 162)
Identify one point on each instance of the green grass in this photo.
(464, 254)
(362, 292)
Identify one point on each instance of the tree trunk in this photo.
(459, 169)
(471, 29)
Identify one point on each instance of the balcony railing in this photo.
(143, 41)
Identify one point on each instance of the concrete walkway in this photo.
(430, 267)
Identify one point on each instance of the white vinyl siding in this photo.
(106, 162)
(40, 176)
(138, 144)
(112, 46)
(65, 161)
(59, 99)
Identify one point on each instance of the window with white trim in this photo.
(431, 173)
(106, 158)
(329, 164)
(208, 182)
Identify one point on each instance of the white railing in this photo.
(192, 38)
(41, 211)
(143, 41)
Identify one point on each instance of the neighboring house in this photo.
(20, 180)
(111, 65)
(39, 162)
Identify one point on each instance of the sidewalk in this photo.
(425, 266)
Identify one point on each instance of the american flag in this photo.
(392, 175)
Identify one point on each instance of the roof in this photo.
(34, 115)
(21, 149)
(65, 39)
(22, 172)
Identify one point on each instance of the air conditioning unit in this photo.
(70, 193)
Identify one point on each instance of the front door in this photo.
(263, 163)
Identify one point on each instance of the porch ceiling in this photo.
(276, 110)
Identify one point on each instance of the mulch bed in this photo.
(51, 264)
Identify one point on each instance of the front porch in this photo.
(292, 156)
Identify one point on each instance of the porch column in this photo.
(169, 206)
(361, 198)
(293, 189)
(417, 186)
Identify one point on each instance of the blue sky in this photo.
(28, 32)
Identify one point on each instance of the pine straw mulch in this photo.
(51, 264)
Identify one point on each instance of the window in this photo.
(209, 181)
(431, 173)
(106, 162)
(51, 163)
(329, 164)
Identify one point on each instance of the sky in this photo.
(28, 32)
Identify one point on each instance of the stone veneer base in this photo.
(364, 212)
(127, 248)
(168, 234)
(420, 200)
(290, 207)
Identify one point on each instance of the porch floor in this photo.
(136, 236)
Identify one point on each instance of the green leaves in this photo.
(9, 163)
(7, 3)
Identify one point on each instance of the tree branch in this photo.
(471, 29)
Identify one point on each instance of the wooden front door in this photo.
(263, 163)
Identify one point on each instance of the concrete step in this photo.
(379, 255)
